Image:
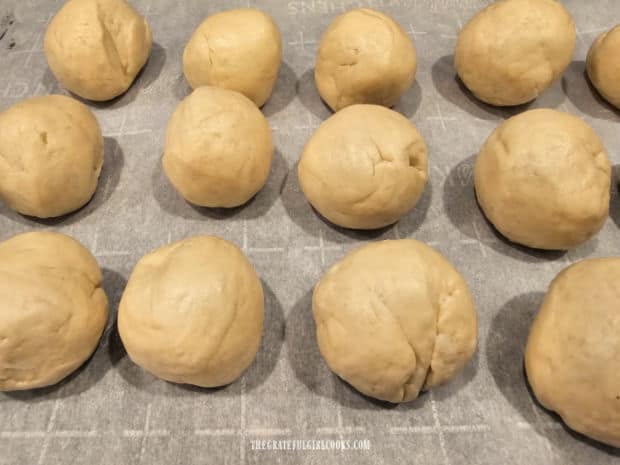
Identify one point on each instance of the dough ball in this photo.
(364, 57)
(603, 65)
(364, 168)
(96, 48)
(51, 154)
(52, 309)
(218, 148)
(513, 50)
(572, 358)
(543, 179)
(394, 318)
(238, 50)
(192, 312)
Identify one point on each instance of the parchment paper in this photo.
(112, 412)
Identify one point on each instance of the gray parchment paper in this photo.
(111, 412)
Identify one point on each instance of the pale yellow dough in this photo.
(572, 356)
(364, 57)
(543, 179)
(192, 312)
(512, 50)
(51, 154)
(218, 148)
(53, 309)
(603, 65)
(394, 318)
(238, 50)
(364, 168)
(96, 48)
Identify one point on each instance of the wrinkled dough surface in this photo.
(603, 65)
(512, 50)
(218, 148)
(543, 179)
(572, 358)
(238, 50)
(393, 318)
(96, 48)
(51, 154)
(192, 312)
(365, 167)
(52, 309)
(364, 57)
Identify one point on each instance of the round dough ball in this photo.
(394, 318)
(53, 309)
(572, 358)
(238, 50)
(96, 48)
(192, 312)
(218, 148)
(51, 154)
(364, 57)
(513, 50)
(543, 179)
(364, 168)
(603, 65)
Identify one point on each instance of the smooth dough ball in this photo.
(192, 312)
(238, 50)
(51, 154)
(218, 148)
(603, 65)
(96, 48)
(543, 179)
(364, 57)
(572, 358)
(394, 318)
(364, 168)
(53, 309)
(512, 50)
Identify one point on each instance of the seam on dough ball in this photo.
(108, 42)
(403, 389)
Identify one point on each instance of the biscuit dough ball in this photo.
(53, 309)
(512, 50)
(192, 312)
(603, 65)
(394, 318)
(51, 154)
(572, 358)
(364, 168)
(364, 57)
(543, 179)
(238, 50)
(218, 148)
(96, 48)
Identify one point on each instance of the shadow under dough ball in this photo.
(512, 50)
(543, 179)
(238, 50)
(572, 358)
(603, 65)
(364, 168)
(218, 148)
(52, 154)
(96, 48)
(364, 57)
(52, 309)
(192, 312)
(394, 318)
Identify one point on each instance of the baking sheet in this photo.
(112, 412)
